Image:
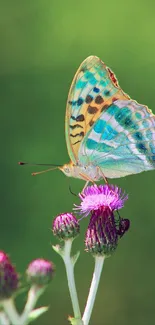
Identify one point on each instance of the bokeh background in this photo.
(42, 43)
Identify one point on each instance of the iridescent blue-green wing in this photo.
(94, 88)
(122, 140)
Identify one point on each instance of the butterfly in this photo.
(108, 135)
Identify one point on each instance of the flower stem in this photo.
(69, 264)
(33, 295)
(10, 309)
(4, 320)
(99, 261)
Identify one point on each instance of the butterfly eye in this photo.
(67, 170)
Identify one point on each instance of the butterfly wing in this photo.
(122, 140)
(93, 89)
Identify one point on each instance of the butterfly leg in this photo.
(105, 179)
(87, 179)
(86, 184)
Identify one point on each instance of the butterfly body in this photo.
(108, 135)
(87, 172)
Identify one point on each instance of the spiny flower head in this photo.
(66, 226)
(9, 279)
(40, 272)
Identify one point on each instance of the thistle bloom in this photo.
(99, 197)
(104, 228)
(66, 226)
(40, 272)
(8, 277)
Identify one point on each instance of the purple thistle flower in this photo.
(104, 229)
(66, 226)
(98, 197)
(9, 279)
(40, 272)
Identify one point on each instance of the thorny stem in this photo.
(99, 261)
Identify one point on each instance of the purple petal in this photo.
(96, 197)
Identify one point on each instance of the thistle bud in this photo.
(40, 272)
(9, 279)
(66, 226)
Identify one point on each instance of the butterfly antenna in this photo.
(21, 163)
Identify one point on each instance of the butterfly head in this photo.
(68, 169)
(72, 170)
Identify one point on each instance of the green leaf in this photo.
(75, 321)
(58, 249)
(36, 313)
(75, 257)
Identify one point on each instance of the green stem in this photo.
(33, 295)
(69, 264)
(99, 261)
(4, 320)
(11, 311)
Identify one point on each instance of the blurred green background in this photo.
(42, 43)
